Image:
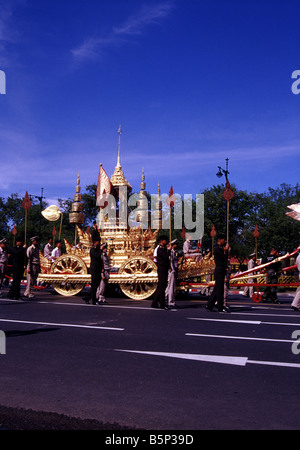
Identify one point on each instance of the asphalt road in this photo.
(125, 364)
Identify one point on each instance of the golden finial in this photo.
(119, 147)
(118, 178)
(143, 184)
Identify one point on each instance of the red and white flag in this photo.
(103, 188)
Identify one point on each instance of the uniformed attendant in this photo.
(95, 232)
(17, 257)
(104, 274)
(95, 269)
(270, 294)
(56, 252)
(221, 261)
(173, 273)
(48, 249)
(33, 266)
(163, 264)
(251, 265)
(189, 252)
(3, 261)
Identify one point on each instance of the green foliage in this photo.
(266, 210)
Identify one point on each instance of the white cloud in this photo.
(91, 48)
(8, 31)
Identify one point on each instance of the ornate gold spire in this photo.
(118, 177)
(143, 184)
(157, 216)
(76, 215)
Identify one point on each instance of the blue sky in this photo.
(191, 82)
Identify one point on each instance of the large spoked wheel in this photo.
(142, 278)
(68, 265)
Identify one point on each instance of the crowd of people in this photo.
(167, 267)
(20, 259)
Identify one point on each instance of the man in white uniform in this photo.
(33, 266)
(173, 273)
(189, 252)
(48, 249)
(56, 252)
(296, 301)
(251, 265)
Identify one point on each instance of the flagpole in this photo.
(25, 226)
(170, 202)
(26, 204)
(61, 219)
(170, 236)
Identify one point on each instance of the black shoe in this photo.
(225, 309)
(209, 309)
(295, 308)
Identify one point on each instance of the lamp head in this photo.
(219, 174)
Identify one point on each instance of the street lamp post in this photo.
(228, 194)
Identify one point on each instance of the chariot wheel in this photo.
(68, 265)
(139, 269)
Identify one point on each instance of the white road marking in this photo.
(238, 337)
(251, 322)
(233, 360)
(61, 325)
(84, 305)
(237, 361)
(295, 315)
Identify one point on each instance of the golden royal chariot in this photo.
(130, 251)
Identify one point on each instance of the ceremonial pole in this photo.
(54, 232)
(14, 233)
(26, 204)
(60, 228)
(170, 202)
(228, 194)
(255, 235)
(213, 234)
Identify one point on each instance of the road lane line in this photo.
(84, 305)
(239, 337)
(253, 322)
(266, 314)
(273, 363)
(235, 360)
(232, 360)
(61, 325)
